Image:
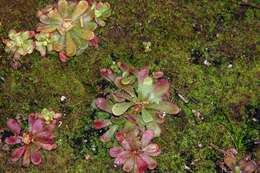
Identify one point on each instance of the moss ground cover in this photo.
(208, 50)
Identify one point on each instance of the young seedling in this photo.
(231, 164)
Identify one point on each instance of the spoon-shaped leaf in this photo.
(155, 128)
(70, 45)
(121, 108)
(166, 107)
(147, 116)
(81, 7)
(63, 7)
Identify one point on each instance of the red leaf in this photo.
(12, 140)
(14, 126)
(17, 153)
(36, 158)
(99, 124)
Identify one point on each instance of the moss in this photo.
(183, 35)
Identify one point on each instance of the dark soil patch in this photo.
(18, 14)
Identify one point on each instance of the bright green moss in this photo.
(174, 28)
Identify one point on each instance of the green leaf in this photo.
(83, 33)
(46, 28)
(55, 16)
(63, 7)
(102, 11)
(81, 7)
(155, 128)
(166, 107)
(121, 108)
(12, 34)
(146, 87)
(106, 137)
(91, 26)
(147, 116)
(70, 45)
(25, 35)
(87, 35)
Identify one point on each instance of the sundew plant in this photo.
(65, 27)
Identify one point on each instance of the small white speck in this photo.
(60, 123)
(230, 65)
(87, 157)
(207, 63)
(183, 98)
(147, 46)
(186, 167)
(63, 98)
(2, 78)
(254, 119)
(163, 114)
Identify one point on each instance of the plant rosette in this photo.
(40, 135)
(135, 151)
(19, 43)
(74, 24)
(139, 98)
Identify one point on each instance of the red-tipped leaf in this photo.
(12, 140)
(104, 105)
(14, 126)
(17, 154)
(152, 150)
(115, 151)
(166, 107)
(36, 158)
(99, 123)
(147, 137)
(107, 74)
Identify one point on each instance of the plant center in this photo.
(67, 24)
(139, 105)
(27, 138)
